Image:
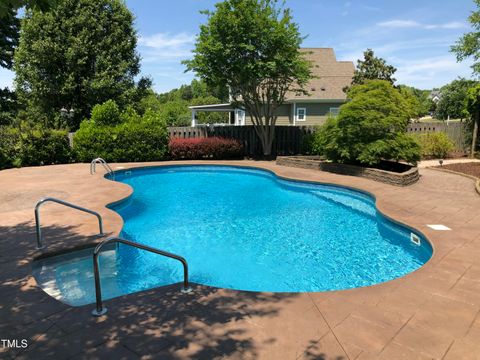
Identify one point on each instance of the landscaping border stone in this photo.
(406, 178)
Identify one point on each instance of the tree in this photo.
(9, 30)
(79, 54)
(453, 99)
(253, 48)
(473, 107)
(468, 46)
(370, 128)
(13, 5)
(8, 106)
(373, 68)
(412, 101)
(418, 99)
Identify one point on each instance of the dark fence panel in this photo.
(454, 130)
(288, 139)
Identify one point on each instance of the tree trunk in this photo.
(266, 133)
(266, 138)
(476, 120)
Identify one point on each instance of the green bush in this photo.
(44, 147)
(322, 136)
(137, 139)
(369, 128)
(9, 147)
(107, 113)
(436, 145)
(28, 146)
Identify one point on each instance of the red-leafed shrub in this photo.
(205, 148)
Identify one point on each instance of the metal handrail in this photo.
(61, 202)
(100, 310)
(93, 166)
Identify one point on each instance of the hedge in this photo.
(33, 146)
(129, 141)
(205, 148)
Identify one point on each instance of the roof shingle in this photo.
(331, 76)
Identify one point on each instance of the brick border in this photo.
(314, 162)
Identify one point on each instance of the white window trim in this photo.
(304, 114)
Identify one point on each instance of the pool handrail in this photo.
(99, 160)
(65, 203)
(100, 310)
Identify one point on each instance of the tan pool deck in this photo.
(432, 313)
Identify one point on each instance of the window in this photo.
(334, 111)
(301, 114)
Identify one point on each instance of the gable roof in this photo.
(331, 76)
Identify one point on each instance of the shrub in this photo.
(9, 147)
(107, 113)
(137, 139)
(322, 136)
(45, 147)
(370, 128)
(28, 146)
(209, 148)
(436, 144)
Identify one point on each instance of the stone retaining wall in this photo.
(314, 162)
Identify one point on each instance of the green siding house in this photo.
(325, 94)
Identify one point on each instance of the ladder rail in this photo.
(64, 203)
(100, 310)
(93, 166)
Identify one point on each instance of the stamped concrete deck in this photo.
(432, 313)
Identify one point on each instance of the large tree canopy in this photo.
(468, 46)
(6, 6)
(78, 54)
(452, 103)
(9, 33)
(252, 47)
(373, 68)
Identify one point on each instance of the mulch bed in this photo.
(471, 168)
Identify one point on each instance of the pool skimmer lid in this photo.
(439, 227)
(415, 239)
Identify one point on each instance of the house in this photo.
(435, 96)
(325, 94)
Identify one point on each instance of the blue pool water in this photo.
(241, 229)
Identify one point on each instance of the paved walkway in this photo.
(432, 313)
(428, 163)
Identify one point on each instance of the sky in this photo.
(413, 35)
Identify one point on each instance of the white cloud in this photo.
(166, 40)
(431, 72)
(166, 47)
(399, 24)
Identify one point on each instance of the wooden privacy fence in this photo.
(454, 130)
(288, 139)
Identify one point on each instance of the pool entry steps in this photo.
(40, 244)
(100, 310)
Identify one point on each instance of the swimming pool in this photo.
(243, 229)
